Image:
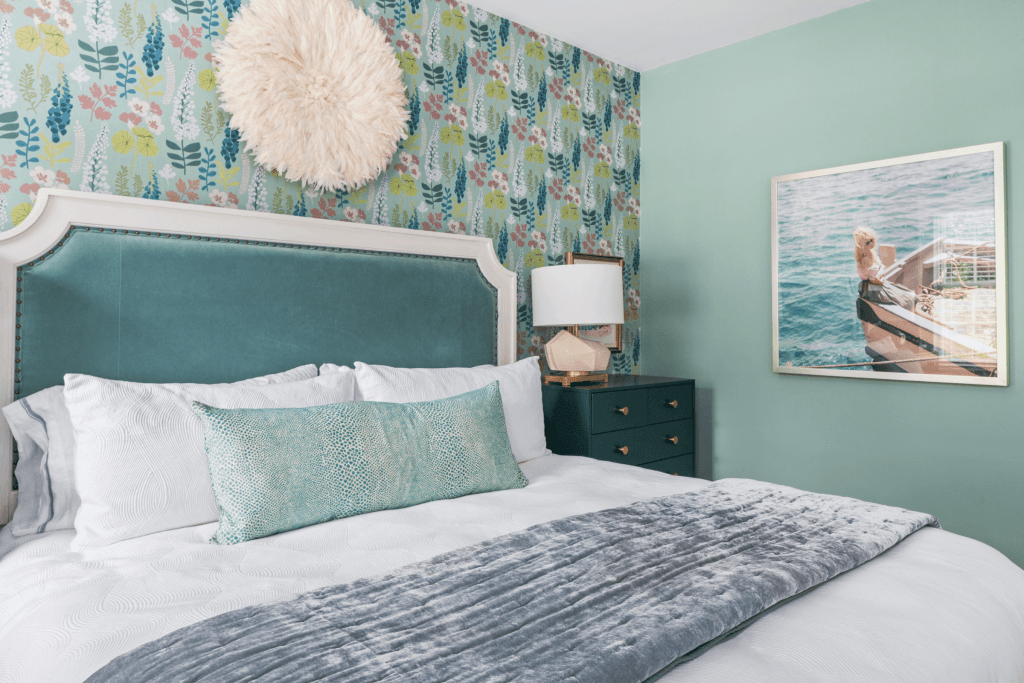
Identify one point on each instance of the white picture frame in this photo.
(936, 224)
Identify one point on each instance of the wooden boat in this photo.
(952, 329)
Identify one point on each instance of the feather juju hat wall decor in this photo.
(314, 89)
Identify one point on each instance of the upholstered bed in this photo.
(152, 292)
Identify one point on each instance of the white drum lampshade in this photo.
(583, 294)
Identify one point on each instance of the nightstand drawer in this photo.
(644, 444)
(682, 466)
(669, 403)
(619, 410)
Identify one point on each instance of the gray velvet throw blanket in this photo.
(616, 596)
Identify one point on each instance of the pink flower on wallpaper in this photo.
(410, 41)
(520, 235)
(479, 61)
(555, 189)
(100, 98)
(589, 147)
(519, 128)
(456, 114)
(353, 214)
(538, 240)
(154, 124)
(7, 171)
(325, 208)
(555, 88)
(37, 14)
(138, 107)
(590, 244)
(43, 176)
(478, 174)
(31, 189)
(408, 163)
(433, 105)
(186, 190)
(186, 40)
(433, 222)
(498, 181)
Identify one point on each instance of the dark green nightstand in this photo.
(631, 419)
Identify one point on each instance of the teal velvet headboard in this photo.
(156, 292)
(169, 308)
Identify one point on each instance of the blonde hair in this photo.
(866, 242)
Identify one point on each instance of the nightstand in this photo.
(631, 419)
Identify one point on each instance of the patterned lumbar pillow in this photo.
(279, 469)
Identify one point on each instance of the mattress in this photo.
(937, 607)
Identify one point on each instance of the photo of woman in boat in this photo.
(924, 296)
(869, 269)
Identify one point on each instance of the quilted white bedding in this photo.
(937, 607)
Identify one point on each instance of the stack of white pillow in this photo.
(116, 460)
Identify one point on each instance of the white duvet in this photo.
(937, 607)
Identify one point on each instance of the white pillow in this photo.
(141, 456)
(47, 497)
(519, 384)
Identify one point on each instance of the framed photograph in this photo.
(893, 269)
(609, 335)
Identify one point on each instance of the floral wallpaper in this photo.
(513, 134)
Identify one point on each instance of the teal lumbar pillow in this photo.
(278, 469)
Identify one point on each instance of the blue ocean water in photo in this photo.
(908, 205)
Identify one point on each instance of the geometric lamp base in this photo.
(568, 353)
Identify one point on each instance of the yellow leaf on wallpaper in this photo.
(207, 80)
(123, 141)
(54, 42)
(27, 38)
(142, 132)
(147, 145)
(21, 212)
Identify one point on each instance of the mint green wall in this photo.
(883, 79)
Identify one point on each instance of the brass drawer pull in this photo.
(623, 449)
(672, 404)
(674, 440)
(624, 410)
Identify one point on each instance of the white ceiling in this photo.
(644, 34)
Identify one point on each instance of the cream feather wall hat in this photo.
(314, 89)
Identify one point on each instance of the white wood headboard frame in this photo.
(57, 210)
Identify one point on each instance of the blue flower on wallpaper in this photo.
(513, 135)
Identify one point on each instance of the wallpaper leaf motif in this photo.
(513, 135)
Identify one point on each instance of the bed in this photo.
(935, 607)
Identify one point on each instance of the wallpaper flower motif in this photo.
(514, 135)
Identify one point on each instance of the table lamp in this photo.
(582, 294)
